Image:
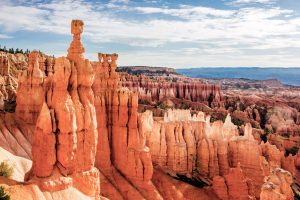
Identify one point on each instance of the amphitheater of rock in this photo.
(86, 139)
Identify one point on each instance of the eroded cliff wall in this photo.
(78, 125)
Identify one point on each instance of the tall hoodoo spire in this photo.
(76, 48)
(65, 137)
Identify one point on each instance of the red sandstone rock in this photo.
(30, 91)
(121, 142)
(43, 148)
(66, 129)
(251, 163)
(277, 186)
(272, 154)
(72, 100)
(220, 187)
(216, 153)
(233, 186)
(158, 89)
(175, 189)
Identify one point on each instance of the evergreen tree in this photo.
(13, 51)
(3, 195)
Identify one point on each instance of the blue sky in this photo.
(179, 34)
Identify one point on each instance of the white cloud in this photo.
(3, 36)
(119, 1)
(187, 12)
(214, 35)
(243, 2)
(182, 59)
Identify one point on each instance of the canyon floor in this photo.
(78, 129)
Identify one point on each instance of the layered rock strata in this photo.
(121, 144)
(60, 101)
(31, 92)
(87, 126)
(159, 88)
(8, 83)
(277, 186)
(215, 154)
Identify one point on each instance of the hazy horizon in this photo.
(289, 76)
(177, 34)
(208, 67)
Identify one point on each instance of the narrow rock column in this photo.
(43, 148)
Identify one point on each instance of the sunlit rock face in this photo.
(212, 153)
(159, 89)
(31, 92)
(277, 185)
(78, 125)
(59, 99)
(8, 81)
(121, 144)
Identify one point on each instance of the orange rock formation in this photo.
(214, 154)
(121, 145)
(157, 89)
(82, 126)
(60, 101)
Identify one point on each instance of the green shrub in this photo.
(6, 170)
(144, 101)
(196, 167)
(184, 106)
(296, 195)
(213, 119)
(294, 150)
(286, 135)
(237, 122)
(217, 116)
(210, 99)
(264, 137)
(3, 195)
(242, 106)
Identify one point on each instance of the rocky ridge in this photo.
(81, 129)
(214, 154)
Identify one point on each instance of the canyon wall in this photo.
(8, 82)
(59, 100)
(214, 154)
(76, 116)
(160, 88)
(121, 146)
(78, 125)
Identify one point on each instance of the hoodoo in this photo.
(60, 101)
(80, 126)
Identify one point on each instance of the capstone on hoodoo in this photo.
(57, 96)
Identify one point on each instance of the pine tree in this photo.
(3, 195)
